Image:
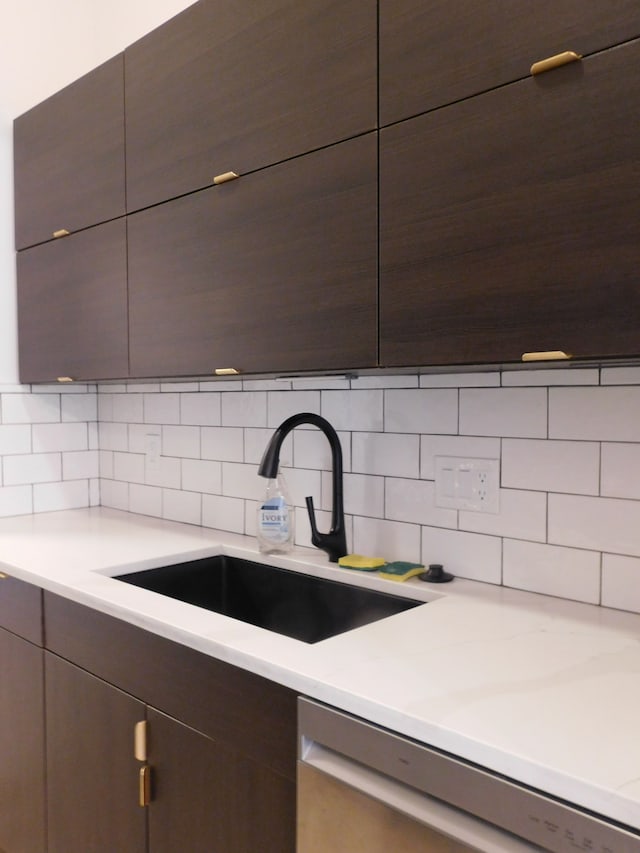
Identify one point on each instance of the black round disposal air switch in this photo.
(435, 574)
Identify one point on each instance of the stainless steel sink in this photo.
(297, 605)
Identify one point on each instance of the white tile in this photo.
(182, 506)
(414, 501)
(391, 540)
(421, 410)
(223, 443)
(223, 513)
(62, 388)
(32, 468)
(129, 467)
(50, 497)
(283, 404)
(250, 516)
(300, 483)
(596, 414)
(471, 379)
(202, 409)
(128, 408)
(30, 408)
(147, 500)
(620, 471)
(161, 408)
(465, 555)
(93, 435)
(105, 462)
(620, 376)
(52, 437)
(179, 387)
(137, 436)
(551, 570)
(381, 380)
(256, 441)
(167, 472)
(105, 407)
(559, 376)
(266, 384)
(354, 410)
(552, 466)
(15, 438)
(600, 524)
(464, 446)
(363, 495)
(321, 383)
(311, 449)
(621, 582)
(199, 475)
(15, 389)
(94, 492)
(517, 412)
(223, 385)
(242, 481)
(523, 515)
(143, 387)
(80, 465)
(392, 455)
(113, 436)
(16, 500)
(114, 494)
(79, 407)
(111, 388)
(183, 441)
(245, 409)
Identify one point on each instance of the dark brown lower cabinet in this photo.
(510, 222)
(22, 786)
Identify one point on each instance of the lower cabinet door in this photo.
(206, 798)
(92, 774)
(22, 803)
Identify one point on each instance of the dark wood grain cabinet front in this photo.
(72, 306)
(432, 54)
(517, 225)
(69, 166)
(235, 87)
(275, 271)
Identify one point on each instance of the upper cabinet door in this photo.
(273, 272)
(436, 53)
(69, 157)
(517, 227)
(228, 86)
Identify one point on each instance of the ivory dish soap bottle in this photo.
(276, 519)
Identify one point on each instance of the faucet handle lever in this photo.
(312, 518)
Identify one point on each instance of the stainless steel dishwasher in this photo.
(362, 789)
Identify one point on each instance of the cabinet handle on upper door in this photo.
(545, 355)
(555, 61)
(62, 232)
(224, 177)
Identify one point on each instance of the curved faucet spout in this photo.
(335, 541)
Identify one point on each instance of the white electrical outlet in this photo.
(471, 484)
(152, 451)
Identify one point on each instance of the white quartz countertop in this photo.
(542, 690)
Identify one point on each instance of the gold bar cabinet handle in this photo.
(140, 741)
(65, 379)
(555, 61)
(226, 371)
(61, 233)
(545, 355)
(224, 177)
(3, 577)
(144, 786)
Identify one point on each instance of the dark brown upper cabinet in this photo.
(69, 157)
(72, 306)
(436, 53)
(227, 86)
(275, 271)
(510, 222)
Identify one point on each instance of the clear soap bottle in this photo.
(276, 519)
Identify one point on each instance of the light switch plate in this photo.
(470, 484)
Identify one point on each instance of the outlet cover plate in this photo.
(468, 484)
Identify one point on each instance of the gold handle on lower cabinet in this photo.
(224, 177)
(144, 786)
(61, 232)
(556, 61)
(545, 355)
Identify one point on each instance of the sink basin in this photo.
(296, 605)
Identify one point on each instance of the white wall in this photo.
(43, 47)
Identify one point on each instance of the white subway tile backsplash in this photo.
(79, 407)
(522, 515)
(105, 463)
(199, 475)
(620, 376)
(242, 481)
(621, 471)
(255, 444)
(127, 408)
(244, 408)
(621, 582)
(80, 465)
(128, 467)
(312, 450)
(32, 468)
(459, 380)
(599, 524)
(114, 494)
(161, 408)
(223, 443)
(391, 540)
(421, 410)
(301, 482)
(202, 409)
(167, 472)
(393, 455)
(551, 570)
(92, 435)
(16, 500)
(414, 501)
(595, 414)
(182, 506)
(113, 436)
(183, 441)
(320, 383)
(49, 497)
(554, 376)
(223, 513)
(221, 385)
(146, 500)
(405, 380)
(30, 408)
(518, 412)
(179, 387)
(15, 438)
(283, 404)
(553, 466)
(361, 411)
(53, 437)
(464, 446)
(466, 555)
(363, 494)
